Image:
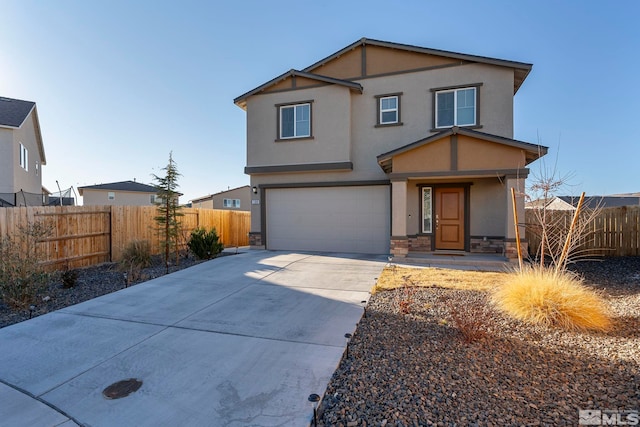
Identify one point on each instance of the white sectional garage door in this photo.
(329, 219)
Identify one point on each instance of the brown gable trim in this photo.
(521, 69)
(535, 150)
(502, 173)
(304, 167)
(240, 101)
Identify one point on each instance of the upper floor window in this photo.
(294, 120)
(152, 199)
(231, 203)
(456, 107)
(111, 195)
(388, 109)
(24, 157)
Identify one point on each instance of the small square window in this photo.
(295, 121)
(388, 109)
(111, 195)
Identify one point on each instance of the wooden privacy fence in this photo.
(613, 232)
(87, 235)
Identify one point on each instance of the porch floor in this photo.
(455, 260)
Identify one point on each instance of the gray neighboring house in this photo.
(237, 199)
(21, 154)
(124, 193)
(384, 148)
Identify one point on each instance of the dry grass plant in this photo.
(472, 320)
(393, 277)
(551, 297)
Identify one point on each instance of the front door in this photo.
(449, 204)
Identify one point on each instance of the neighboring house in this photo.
(21, 154)
(570, 203)
(385, 147)
(125, 193)
(237, 199)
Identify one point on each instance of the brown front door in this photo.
(449, 204)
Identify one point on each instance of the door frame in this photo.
(466, 210)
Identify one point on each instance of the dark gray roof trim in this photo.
(534, 149)
(13, 112)
(122, 186)
(296, 73)
(462, 56)
(305, 167)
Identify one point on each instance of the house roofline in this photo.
(523, 68)
(241, 100)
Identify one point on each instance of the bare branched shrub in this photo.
(22, 276)
(472, 320)
(404, 297)
(135, 257)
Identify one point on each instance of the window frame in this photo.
(455, 89)
(230, 203)
(380, 110)
(111, 195)
(424, 212)
(24, 157)
(281, 107)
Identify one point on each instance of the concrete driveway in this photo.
(238, 341)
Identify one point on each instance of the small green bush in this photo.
(204, 244)
(22, 276)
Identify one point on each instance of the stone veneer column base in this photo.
(255, 240)
(511, 250)
(420, 243)
(399, 246)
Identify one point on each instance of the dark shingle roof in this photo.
(593, 202)
(13, 112)
(122, 186)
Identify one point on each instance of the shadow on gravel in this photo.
(416, 369)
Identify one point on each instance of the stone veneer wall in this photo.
(419, 243)
(255, 239)
(489, 246)
(399, 246)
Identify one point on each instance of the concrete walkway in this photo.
(237, 341)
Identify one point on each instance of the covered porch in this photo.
(452, 192)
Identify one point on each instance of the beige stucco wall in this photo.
(203, 204)
(122, 198)
(343, 123)
(14, 178)
(7, 162)
(476, 154)
(242, 193)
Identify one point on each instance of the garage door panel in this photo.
(335, 219)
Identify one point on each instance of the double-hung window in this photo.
(388, 109)
(456, 107)
(294, 120)
(24, 157)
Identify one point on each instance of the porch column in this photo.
(399, 242)
(511, 251)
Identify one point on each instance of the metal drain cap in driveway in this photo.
(122, 388)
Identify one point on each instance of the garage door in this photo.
(329, 219)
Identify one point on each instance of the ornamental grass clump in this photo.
(552, 297)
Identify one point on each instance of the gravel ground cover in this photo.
(416, 369)
(92, 282)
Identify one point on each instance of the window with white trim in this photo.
(426, 210)
(294, 121)
(456, 107)
(388, 110)
(111, 195)
(152, 199)
(24, 157)
(231, 203)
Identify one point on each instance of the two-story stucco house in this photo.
(123, 193)
(21, 154)
(387, 148)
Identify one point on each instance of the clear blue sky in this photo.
(120, 84)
